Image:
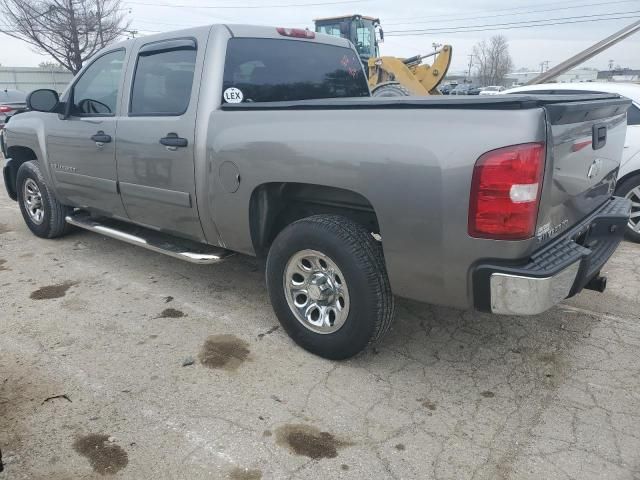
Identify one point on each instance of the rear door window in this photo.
(163, 79)
(271, 70)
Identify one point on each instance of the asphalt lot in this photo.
(94, 334)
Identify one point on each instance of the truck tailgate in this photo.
(585, 139)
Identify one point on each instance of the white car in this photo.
(491, 90)
(629, 174)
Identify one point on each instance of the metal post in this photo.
(586, 54)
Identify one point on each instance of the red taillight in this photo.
(296, 32)
(5, 109)
(505, 192)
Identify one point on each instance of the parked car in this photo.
(465, 89)
(11, 102)
(446, 89)
(265, 141)
(628, 184)
(460, 89)
(491, 90)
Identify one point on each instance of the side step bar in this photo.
(188, 250)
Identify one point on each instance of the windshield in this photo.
(333, 30)
(12, 96)
(365, 38)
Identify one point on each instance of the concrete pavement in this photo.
(115, 361)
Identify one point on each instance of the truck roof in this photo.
(271, 32)
(342, 17)
(240, 30)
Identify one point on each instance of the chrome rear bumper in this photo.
(557, 270)
(518, 295)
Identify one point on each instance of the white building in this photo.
(572, 76)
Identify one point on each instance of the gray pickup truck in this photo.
(265, 141)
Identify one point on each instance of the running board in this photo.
(188, 250)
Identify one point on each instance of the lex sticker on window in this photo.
(233, 95)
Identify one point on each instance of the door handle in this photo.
(101, 137)
(173, 140)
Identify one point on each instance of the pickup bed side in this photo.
(397, 160)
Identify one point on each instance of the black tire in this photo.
(53, 222)
(390, 90)
(624, 190)
(359, 257)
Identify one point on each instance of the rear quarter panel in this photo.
(414, 167)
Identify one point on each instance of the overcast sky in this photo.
(528, 46)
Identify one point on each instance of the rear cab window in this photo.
(274, 70)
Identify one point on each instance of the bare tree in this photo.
(493, 61)
(50, 65)
(70, 31)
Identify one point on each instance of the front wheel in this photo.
(328, 286)
(630, 189)
(41, 210)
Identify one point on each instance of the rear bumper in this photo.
(557, 271)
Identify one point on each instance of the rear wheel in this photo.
(41, 210)
(390, 90)
(630, 188)
(328, 286)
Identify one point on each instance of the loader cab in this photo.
(359, 29)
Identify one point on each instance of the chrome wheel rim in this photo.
(634, 219)
(33, 201)
(316, 291)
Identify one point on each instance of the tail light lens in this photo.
(505, 192)
(296, 32)
(5, 109)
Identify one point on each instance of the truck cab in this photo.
(358, 29)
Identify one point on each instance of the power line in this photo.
(216, 7)
(516, 13)
(464, 28)
(429, 32)
(449, 15)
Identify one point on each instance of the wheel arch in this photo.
(274, 205)
(17, 155)
(627, 176)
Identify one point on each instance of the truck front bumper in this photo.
(557, 271)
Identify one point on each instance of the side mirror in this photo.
(381, 35)
(43, 100)
(345, 28)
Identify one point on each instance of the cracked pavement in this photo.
(447, 395)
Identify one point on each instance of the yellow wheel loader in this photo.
(388, 76)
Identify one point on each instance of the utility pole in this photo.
(470, 64)
(99, 18)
